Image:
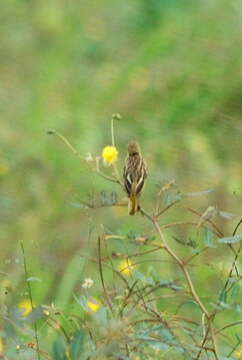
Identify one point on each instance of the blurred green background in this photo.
(171, 68)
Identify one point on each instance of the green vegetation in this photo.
(172, 69)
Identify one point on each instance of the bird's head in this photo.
(133, 148)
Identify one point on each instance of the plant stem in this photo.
(101, 275)
(112, 132)
(186, 273)
(114, 117)
(183, 267)
(31, 299)
(64, 139)
(167, 207)
(116, 173)
(107, 177)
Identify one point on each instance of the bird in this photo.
(134, 175)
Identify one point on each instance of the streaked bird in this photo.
(134, 175)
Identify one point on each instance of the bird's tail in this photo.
(133, 204)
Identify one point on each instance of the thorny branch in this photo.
(209, 331)
(186, 273)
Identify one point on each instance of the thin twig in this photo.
(196, 254)
(117, 176)
(30, 298)
(68, 144)
(144, 213)
(106, 177)
(182, 223)
(232, 269)
(109, 267)
(157, 247)
(228, 326)
(190, 284)
(114, 117)
(207, 220)
(178, 261)
(185, 271)
(56, 325)
(101, 275)
(167, 207)
(112, 132)
(202, 344)
(236, 227)
(125, 301)
(216, 228)
(224, 289)
(212, 333)
(234, 261)
(76, 153)
(114, 166)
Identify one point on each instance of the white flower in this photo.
(87, 283)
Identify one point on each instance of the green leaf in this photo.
(231, 239)
(222, 305)
(166, 338)
(147, 280)
(199, 193)
(223, 296)
(227, 215)
(234, 293)
(169, 284)
(59, 350)
(77, 345)
(161, 331)
(157, 345)
(208, 238)
(172, 197)
(189, 242)
(71, 276)
(132, 235)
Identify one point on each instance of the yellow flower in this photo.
(126, 267)
(109, 154)
(238, 354)
(93, 305)
(1, 346)
(25, 307)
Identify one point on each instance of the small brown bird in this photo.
(134, 175)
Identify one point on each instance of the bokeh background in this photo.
(171, 68)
